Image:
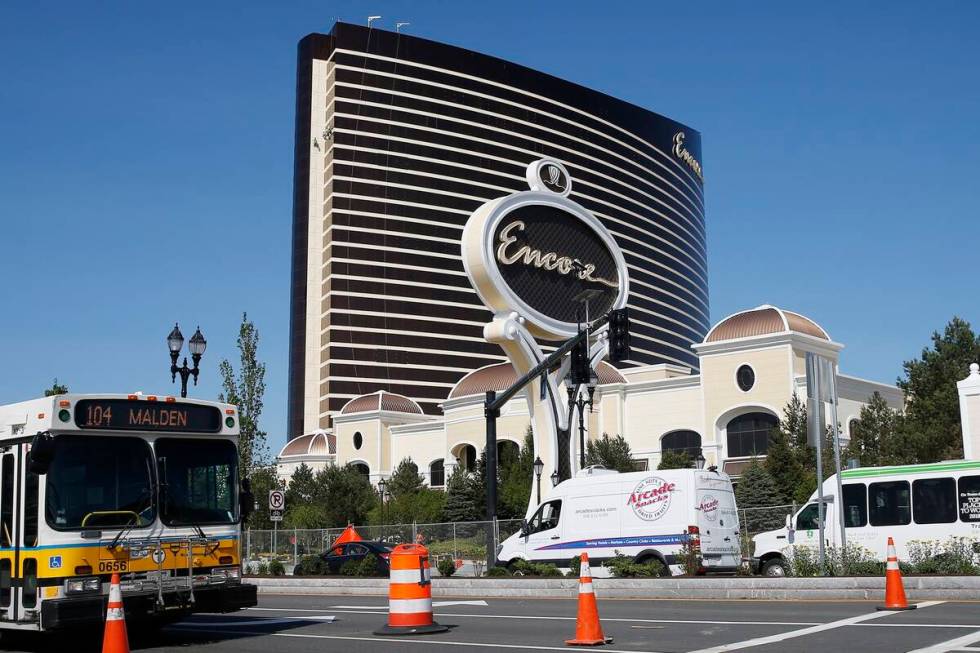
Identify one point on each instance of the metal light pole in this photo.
(197, 345)
(381, 490)
(538, 468)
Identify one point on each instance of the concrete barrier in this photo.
(949, 588)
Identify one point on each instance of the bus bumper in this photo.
(78, 612)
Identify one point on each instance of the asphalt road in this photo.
(298, 624)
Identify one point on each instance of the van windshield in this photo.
(99, 482)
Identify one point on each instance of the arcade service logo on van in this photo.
(708, 505)
(651, 498)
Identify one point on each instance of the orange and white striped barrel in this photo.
(410, 593)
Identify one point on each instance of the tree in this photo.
(787, 455)
(611, 453)
(246, 391)
(672, 459)
(405, 481)
(302, 487)
(424, 507)
(56, 389)
(516, 479)
(932, 418)
(461, 504)
(757, 489)
(879, 436)
(345, 495)
(263, 480)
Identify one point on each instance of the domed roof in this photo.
(381, 400)
(320, 443)
(501, 376)
(764, 320)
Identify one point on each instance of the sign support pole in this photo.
(491, 412)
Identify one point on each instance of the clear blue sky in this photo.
(146, 165)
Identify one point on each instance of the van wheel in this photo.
(775, 568)
(512, 568)
(656, 562)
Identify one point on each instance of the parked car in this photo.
(335, 558)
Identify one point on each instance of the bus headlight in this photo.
(82, 585)
(222, 574)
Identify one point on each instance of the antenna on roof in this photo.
(371, 19)
(398, 26)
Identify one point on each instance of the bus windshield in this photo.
(200, 481)
(99, 482)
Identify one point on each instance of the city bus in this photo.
(143, 486)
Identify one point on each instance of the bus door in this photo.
(9, 549)
(26, 514)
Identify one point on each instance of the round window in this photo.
(358, 440)
(745, 377)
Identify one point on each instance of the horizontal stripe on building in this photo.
(343, 335)
(470, 139)
(403, 294)
(404, 178)
(395, 373)
(421, 309)
(383, 100)
(500, 92)
(383, 354)
(364, 320)
(505, 160)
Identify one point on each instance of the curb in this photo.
(950, 588)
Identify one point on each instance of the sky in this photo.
(146, 161)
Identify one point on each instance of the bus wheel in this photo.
(775, 568)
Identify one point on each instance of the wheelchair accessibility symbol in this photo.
(54, 562)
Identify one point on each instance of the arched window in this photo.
(467, 457)
(688, 442)
(362, 469)
(437, 473)
(748, 435)
(507, 453)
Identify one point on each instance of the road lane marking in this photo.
(958, 644)
(435, 604)
(771, 639)
(561, 618)
(444, 604)
(260, 621)
(430, 642)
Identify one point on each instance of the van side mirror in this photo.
(524, 528)
(42, 452)
(789, 522)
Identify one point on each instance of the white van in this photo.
(929, 502)
(646, 515)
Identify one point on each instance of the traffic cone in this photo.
(115, 639)
(588, 630)
(894, 590)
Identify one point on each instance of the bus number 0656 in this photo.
(113, 565)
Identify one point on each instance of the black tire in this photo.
(774, 568)
(512, 568)
(650, 558)
(297, 571)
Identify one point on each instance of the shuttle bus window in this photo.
(970, 498)
(30, 509)
(889, 503)
(7, 500)
(808, 519)
(855, 505)
(934, 501)
(5, 566)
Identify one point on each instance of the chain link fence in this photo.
(463, 542)
(753, 521)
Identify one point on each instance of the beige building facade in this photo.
(751, 365)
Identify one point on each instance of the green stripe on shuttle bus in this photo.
(911, 469)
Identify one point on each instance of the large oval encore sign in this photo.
(537, 252)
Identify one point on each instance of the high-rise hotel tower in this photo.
(398, 140)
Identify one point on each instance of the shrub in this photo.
(446, 566)
(312, 566)
(624, 566)
(689, 559)
(575, 567)
(954, 556)
(496, 572)
(854, 561)
(276, 568)
(263, 569)
(525, 568)
(350, 568)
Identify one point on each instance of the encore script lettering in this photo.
(681, 153)
(551, 261)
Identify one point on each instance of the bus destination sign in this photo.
(129, 415)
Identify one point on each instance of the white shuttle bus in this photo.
(930, 502)
(646, 515)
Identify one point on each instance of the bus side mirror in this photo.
(42, 452)
(246, 500)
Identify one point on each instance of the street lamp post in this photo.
(554, 478)
(580, 402)
(699, 460)
(538, 468)
(197, 345)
